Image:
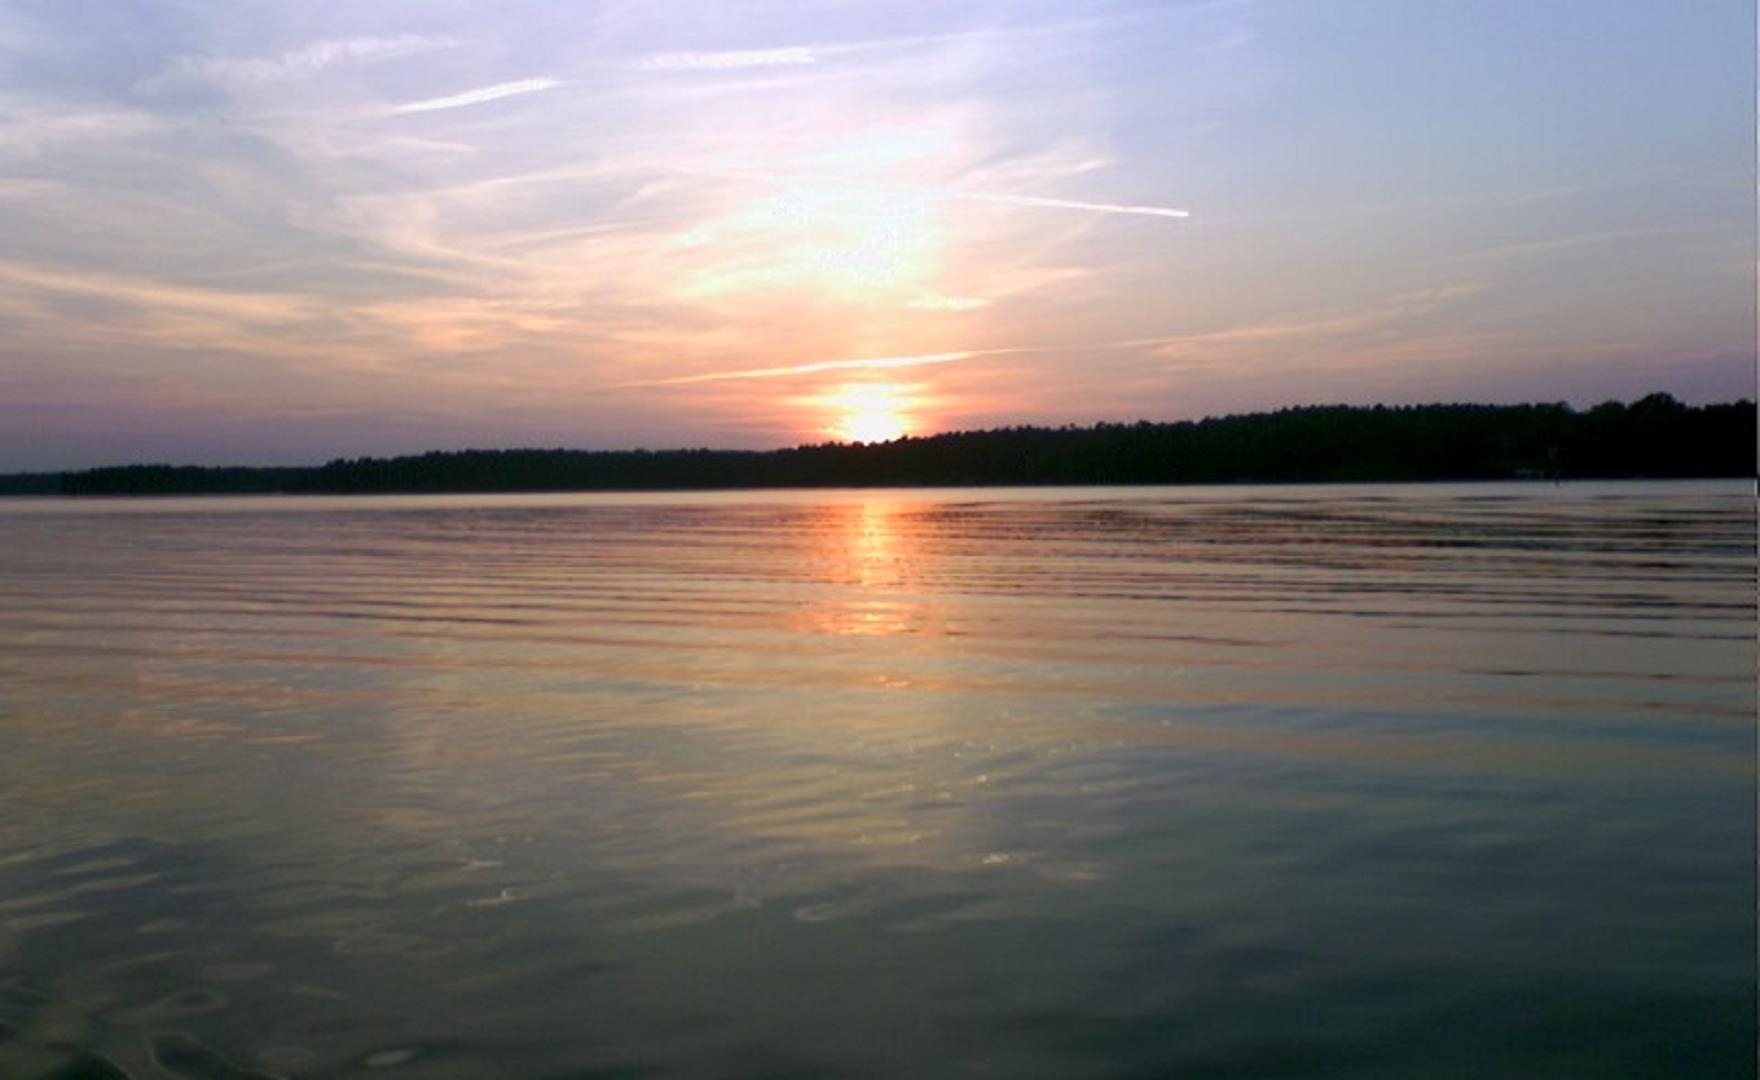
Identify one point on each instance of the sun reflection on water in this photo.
(869, 545)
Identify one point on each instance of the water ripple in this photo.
(1387, 781)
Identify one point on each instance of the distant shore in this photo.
(1654, 437)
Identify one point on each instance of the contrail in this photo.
(922, 192)
(881, 363)
(1056, 204)
(728, 60)
(477, 97)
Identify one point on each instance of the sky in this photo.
(274, 231)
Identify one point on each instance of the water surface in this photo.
(1446, 781)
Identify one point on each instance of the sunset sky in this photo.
(282, 231)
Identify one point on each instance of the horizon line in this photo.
(1750, 402)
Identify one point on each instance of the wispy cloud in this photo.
(134, 314)
(478, 96)
(13, 188)
(796, 56)
(294, 63)
(1240, 38)
(1548, 246)
(261, 307)
(28, 125)
(949, 303)
(1329, 323)
(876, 363)
(1337, 322)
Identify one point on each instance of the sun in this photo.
(870, 412)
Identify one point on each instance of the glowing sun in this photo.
(869, 412)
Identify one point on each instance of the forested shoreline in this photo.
(1656, 436)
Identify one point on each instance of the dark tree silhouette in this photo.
(1656, 436)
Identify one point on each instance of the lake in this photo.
(1439, 781)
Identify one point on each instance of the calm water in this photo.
(1365, 782)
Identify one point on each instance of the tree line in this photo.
(1656, 436)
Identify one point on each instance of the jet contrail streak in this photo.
(1058, 204)
(912, 191)
(477, 97)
